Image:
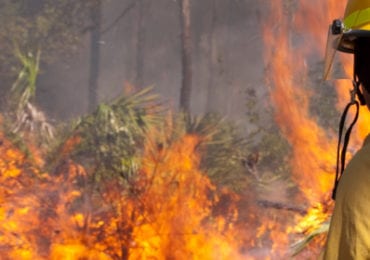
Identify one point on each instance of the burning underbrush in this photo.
(164, 212)
(128, 183)
(110, 191)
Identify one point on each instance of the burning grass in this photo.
(160, 206)
(127, 183)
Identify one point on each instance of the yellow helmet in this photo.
(343, 33)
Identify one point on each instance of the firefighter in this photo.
(349, 232)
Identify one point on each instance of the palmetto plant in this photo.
(27, 116)
(25, 86)
(112, 136)
(224, 149)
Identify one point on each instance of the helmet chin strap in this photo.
(359, 94)
(341, 155)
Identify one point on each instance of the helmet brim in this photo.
(343, 42)
(348, 38)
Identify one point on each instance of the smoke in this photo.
(236, 59)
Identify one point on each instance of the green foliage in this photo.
(273, 148)
(253, 116)
(112, 137)
(24, 88)
(53, 26)
(223, 150)
(275, 151)
(23, 115)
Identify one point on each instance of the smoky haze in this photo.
(127, 45)
(226, 54)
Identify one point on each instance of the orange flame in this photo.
(174, 229)
(168, 209)
(313, 159)
(167, 213)
(313, 152)
(314, 149)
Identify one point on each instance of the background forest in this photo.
(110, 95)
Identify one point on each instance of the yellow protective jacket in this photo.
(349, 232)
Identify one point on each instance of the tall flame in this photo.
(313, 152)
(168, 212)
(294, 36)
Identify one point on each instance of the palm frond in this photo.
(113, 135)
(224, 149)
(27, 116)
(24, 88)
(299, 246)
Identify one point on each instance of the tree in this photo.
(186, 51)
(140, 39)
(96, 13)
(51, 27)
(211, 57)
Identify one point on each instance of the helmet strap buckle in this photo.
(356, 91)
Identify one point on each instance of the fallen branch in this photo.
(280, 205)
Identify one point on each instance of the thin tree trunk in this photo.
(211, 59)
(140, 39)
(96, 13)
(186, 47)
